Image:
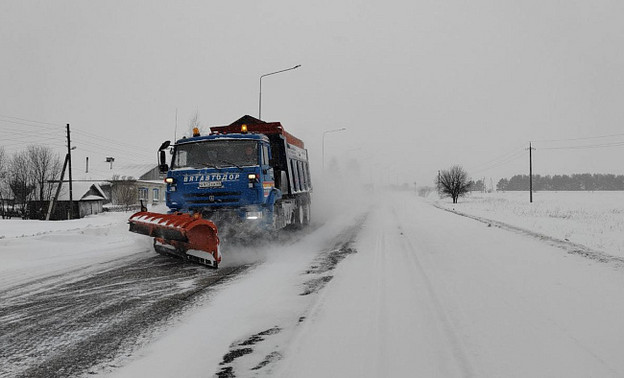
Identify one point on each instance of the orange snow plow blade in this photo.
(181, 234)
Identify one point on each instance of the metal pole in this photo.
(323, 143)
(260, 94)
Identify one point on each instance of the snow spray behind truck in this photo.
(250, 177)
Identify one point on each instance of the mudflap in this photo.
(180, 234)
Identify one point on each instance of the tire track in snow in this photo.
(62, 327)
(443, 319)
(381, 300)
(242, 353)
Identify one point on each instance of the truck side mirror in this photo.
(163, 167)
(165, 144)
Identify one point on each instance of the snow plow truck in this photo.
(248, 178)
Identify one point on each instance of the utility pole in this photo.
(530, 173)
(323, 142)
(71, 198)
(58, 189)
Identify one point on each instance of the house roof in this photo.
(91, 198)
(101, 171)
(82, 191)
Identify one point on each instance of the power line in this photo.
(602, 145)
(579, 138)
(55, 137)
(108, 150)
(502, 157)
(28, 140)
(500, 161)
(31, 121)
(25, 124)
(118, 145)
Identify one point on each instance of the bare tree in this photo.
(45, 166)
(4, 185)
(21, 180)
(454, 182)
(124, 192)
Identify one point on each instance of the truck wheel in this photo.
(279, 219)
(306, 214)
(300, 216)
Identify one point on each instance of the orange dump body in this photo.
(257, 126)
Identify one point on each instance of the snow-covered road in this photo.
(433, 294)
(401, 289)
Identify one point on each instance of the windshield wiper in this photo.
(229, 162)
(209, 165)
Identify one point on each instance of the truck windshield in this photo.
(216, 154)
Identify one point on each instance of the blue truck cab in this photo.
(249, 174)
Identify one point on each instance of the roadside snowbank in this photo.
(593, 219)
(20, 228)
(30, 249)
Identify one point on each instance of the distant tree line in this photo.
(574, 182)
(478, 186)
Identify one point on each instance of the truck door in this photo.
(268, 180)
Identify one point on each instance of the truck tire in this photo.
(306, 214)
(299, 216)
(302, 216)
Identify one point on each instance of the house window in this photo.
(143, 194)
(156, 195)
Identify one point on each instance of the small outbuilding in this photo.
(87, 198)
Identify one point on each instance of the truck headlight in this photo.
(254, 215)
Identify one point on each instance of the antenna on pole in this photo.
(530, 173)
(175, 131)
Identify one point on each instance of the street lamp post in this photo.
(260, 96)
(327, 132)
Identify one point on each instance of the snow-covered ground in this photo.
(30, 248)
(416, 290)
(592, 219)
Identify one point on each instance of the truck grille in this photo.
(213, 197)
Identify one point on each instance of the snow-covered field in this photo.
(416, 290)
(592, 219)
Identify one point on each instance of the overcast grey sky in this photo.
(419, 85)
